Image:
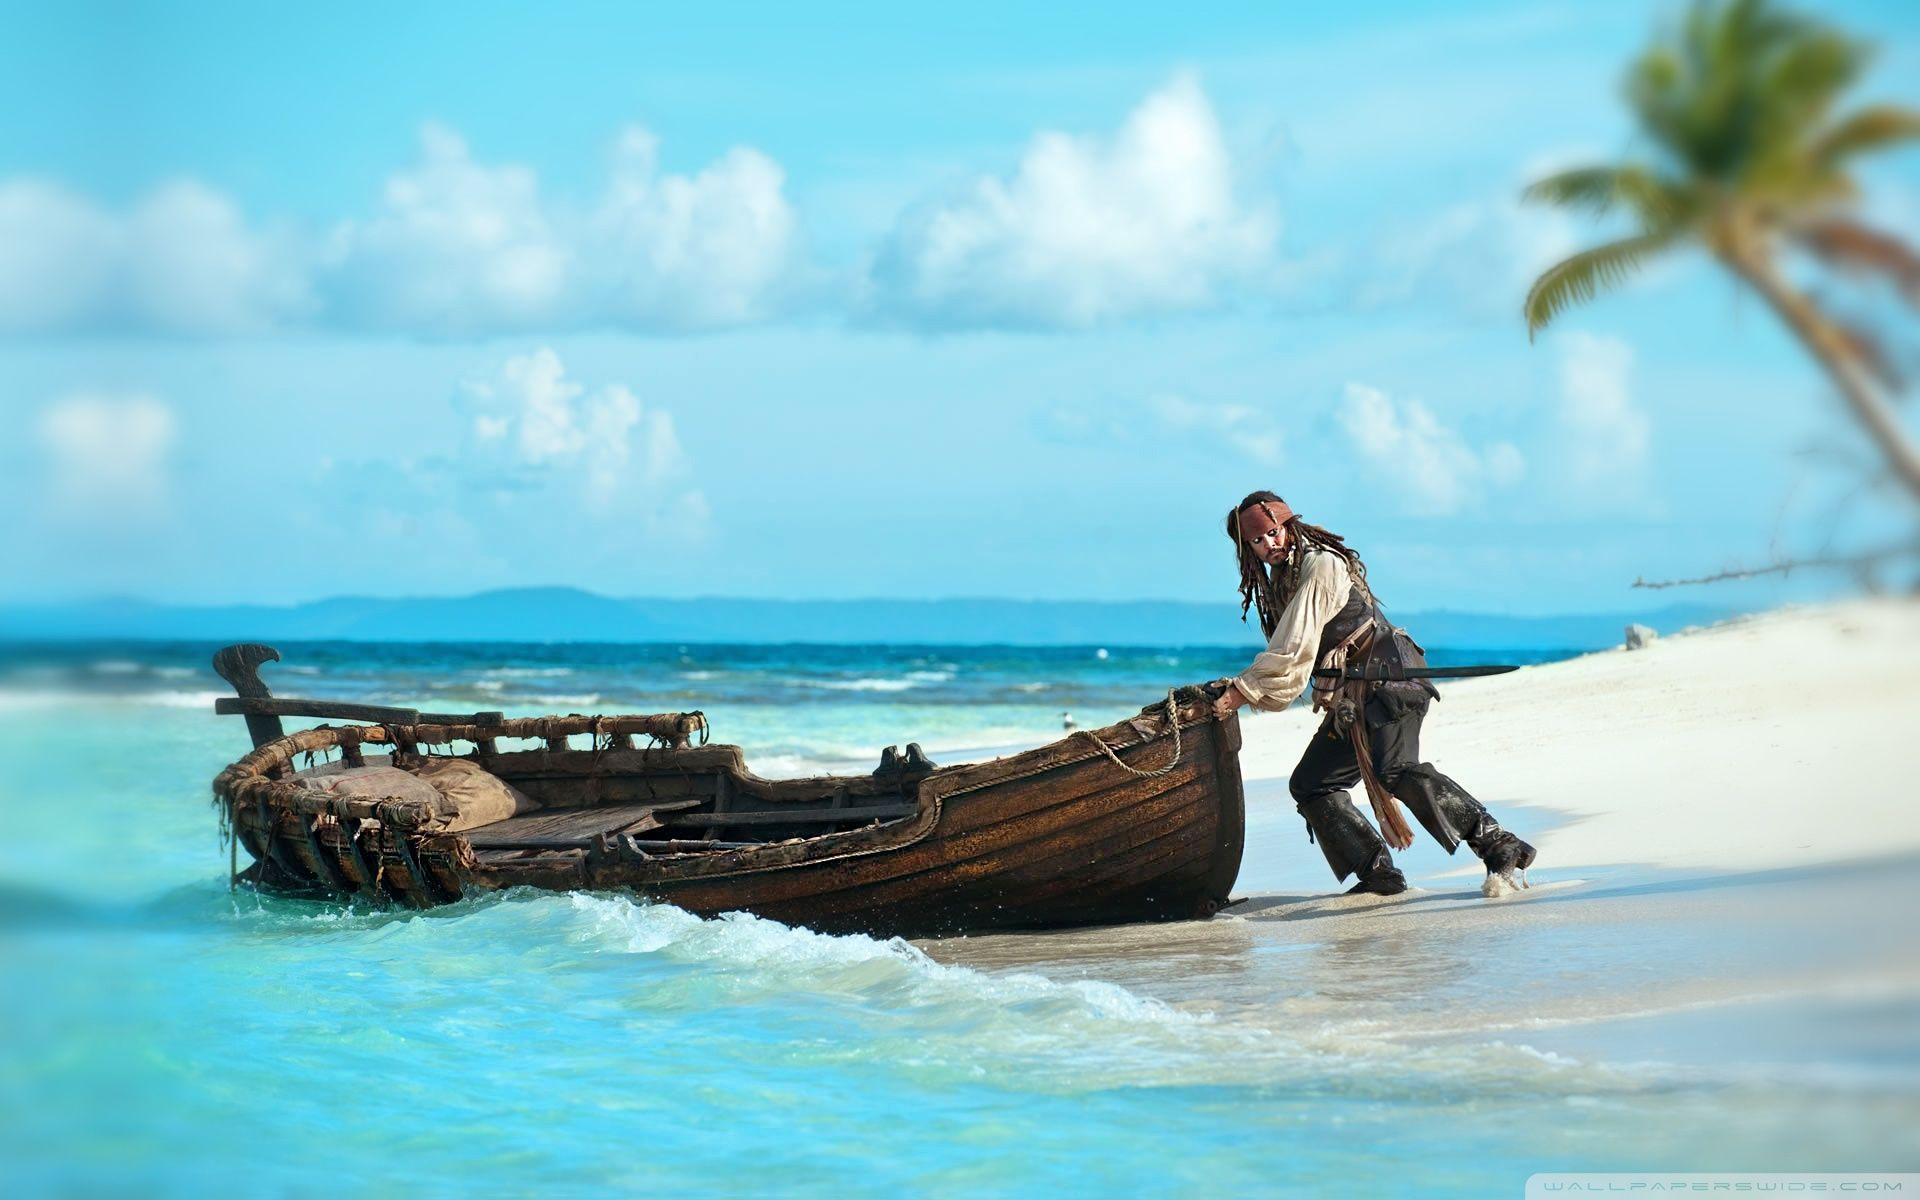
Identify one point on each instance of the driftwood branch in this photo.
(1788, 567)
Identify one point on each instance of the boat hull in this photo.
(1081, 842)
(1063, 835)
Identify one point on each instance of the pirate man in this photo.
(1322, 620)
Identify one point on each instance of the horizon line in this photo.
(1106, 602)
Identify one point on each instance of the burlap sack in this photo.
(371, 782)
(478, 797)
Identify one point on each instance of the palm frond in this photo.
(1851, 246)
(1796, 85)
(1878, 127)
(1739, 86)
(1656, 91)
(1595, 189)
(1580, 278)
(1657, 202)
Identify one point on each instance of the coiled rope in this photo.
(1173, 719)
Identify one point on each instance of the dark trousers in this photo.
(1393, 735)
(1331, 766)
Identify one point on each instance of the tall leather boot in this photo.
(1444, 808)
(1451, 814)
(1352, 846)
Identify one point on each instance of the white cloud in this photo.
(1607, 436)
(57, 256)
(192, 265)
(1240, 426)
(455, 246)
(602, 447)
(182, 260)
(460, 246)
(1411, 451)
(536, 384)
(712, 248)
(1085, 230)
(108, 455)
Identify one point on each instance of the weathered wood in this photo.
(1059, 835)
(810, 816)
(656, 845)
(576, 791)
(419, 892)
(240, 665)
(948, 865)
(683, 845)
(325, 867)
(1233, 803)
(1046, 811)
(722, 801)
(573, 823)
(369, 880)
(670, 725)
(348, 711)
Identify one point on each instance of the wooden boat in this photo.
(1139, 821)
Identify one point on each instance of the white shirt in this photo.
(1282, 671)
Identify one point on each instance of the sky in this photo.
(870, 300)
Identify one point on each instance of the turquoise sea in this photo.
(163, 1036)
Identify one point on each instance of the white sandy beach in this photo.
(1787, 739)
(1724, 818)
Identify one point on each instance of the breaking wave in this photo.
(582, 698)
(857, 685)
(12, 699)
(898, 1004)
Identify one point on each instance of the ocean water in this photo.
(162, 1035)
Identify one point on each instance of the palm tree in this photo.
(1748, 160)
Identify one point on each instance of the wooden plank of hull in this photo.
(966, 879)
(1019, 857)
(548, 825)
(1163, 880)
(1067, 880)
(1074, 862)
(1051, 880)
(1233, 795)
(1068, 781)
(940, 851)
(984, 808)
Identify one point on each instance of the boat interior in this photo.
(684, 801)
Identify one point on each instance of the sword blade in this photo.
(1391, 672)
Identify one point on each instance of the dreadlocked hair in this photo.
(1266, 590)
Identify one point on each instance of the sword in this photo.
(1384, 672)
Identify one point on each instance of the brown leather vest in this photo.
(1388, 646)
(1359, 609)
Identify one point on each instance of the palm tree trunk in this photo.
(1830, 348)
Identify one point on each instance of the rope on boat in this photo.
(1173, 719)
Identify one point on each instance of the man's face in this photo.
(1265, 537)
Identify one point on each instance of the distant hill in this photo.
(570, 615)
